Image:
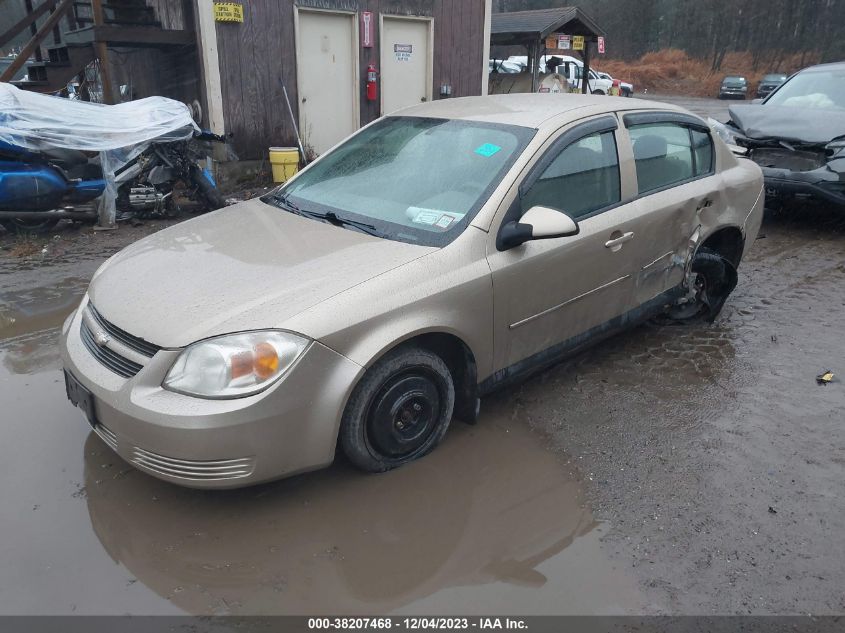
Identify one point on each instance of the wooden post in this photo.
(27, 21)
(34, 44)
(535, 66)
(585, 82)
(102, 51)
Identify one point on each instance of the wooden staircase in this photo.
(79, 32)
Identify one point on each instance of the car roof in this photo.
(830, 66)
(528, 109)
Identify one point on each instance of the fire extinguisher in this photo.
(372, 86)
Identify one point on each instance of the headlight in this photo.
(234, 365)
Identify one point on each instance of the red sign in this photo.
(601, 45)
(367, 29)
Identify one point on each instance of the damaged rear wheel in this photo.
(711, 280)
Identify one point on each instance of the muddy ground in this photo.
(668, 470)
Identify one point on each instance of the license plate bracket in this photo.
(80, 397)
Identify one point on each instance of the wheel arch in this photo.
(459, 358)
(727, 241)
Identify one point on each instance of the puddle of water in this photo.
(491, 522)
(488, 523)
(30, 320)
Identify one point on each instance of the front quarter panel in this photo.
(448, 291)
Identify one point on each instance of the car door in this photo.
(556, 292)
(676, 182)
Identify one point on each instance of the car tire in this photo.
(399, 411)
(598, 92)
(714, 280)
(23, 227)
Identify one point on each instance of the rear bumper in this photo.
(289, 428)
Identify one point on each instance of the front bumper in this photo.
(289, 428)
(728, 92)
(821, 184)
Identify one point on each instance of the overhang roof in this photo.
(521, 26)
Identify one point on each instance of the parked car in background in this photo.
(797, 136)
(627, 88)
(733, 87)
(503, 66)
(769, 83)
(435, 255)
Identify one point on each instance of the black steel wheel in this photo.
(399, 411)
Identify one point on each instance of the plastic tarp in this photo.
(118, 132)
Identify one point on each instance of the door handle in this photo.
(704, 204)
(619, 241)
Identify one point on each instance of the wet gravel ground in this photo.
(711, 450)
(671, 469)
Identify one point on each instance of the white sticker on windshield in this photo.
(428, 217)
(445, 221)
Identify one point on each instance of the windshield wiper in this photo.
(331, 217)
(285, 200)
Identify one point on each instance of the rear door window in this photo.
(663, 155)
(702, 147)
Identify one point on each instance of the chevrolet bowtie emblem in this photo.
(101, 338)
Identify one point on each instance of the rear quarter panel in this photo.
(742, 187)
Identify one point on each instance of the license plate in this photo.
(80, 397)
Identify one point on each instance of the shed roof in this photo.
(516, 26)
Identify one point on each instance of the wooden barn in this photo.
(321, 51)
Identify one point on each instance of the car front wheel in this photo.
(399, 411)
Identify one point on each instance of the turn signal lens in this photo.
(235, 365)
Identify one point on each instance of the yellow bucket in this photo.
(285, 162)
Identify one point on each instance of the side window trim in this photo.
(672, 118)
(596, 126)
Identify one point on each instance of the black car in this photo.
(733, 87)
(769, 83)
(797, 136)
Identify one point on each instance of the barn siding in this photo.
(167, 72)
(255, 55)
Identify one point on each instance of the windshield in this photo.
(413, 179)
(822, 89)
(734, 81)
(774, 78)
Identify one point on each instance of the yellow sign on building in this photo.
(228, 12)
(578, 42)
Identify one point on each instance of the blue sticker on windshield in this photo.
(488, 149)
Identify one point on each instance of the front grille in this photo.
(114, 361)
(192, 469)
(132, 342)
(797, 160)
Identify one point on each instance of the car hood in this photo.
(805, 125)
(248, 266)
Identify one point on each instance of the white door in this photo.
(405, 62)
(327, 77)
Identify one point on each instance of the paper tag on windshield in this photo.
(487, 150)
(445, 221)
(427, 217)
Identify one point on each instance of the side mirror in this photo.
(539, 223)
